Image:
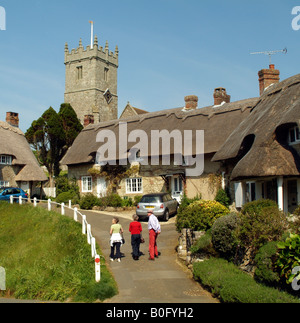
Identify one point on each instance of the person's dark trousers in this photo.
(117, 246)
(135, 243)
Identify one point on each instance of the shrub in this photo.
(265, 225)
(265, 272)
(223, 198)
(88, 201)
(127, 202)
(185, 202)
(232, 285)
(257, 206)
(63, 184)
(200, 215)
(288, 258)
(114, 200)
(297, 211)
(137, 200)
(224, 235)
(66, 197)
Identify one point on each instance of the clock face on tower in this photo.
(108, 96)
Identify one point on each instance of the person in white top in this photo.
(154, 230)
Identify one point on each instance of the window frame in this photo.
(295, 132)
(5, 160)
(86, 184)
(134, 185)
(4, 183)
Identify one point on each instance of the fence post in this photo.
(83, 224)
(89, 233)
(11, 199)
(34, 201)
(20, 200)
(62, 208)
(75, 214)
(70, 204)
(49, 205)
(97, 269)
(93, 247)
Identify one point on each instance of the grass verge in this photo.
(46, 257)
(231, 285)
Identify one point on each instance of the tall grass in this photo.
(46, 257)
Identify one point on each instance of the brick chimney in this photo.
(268, 77)
(88, 119)
(12, 118)
(191, 102)
(221, 96)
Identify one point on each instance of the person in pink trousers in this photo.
(154, 230)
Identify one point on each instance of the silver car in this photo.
(162, 205)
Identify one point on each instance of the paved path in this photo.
(164, 280)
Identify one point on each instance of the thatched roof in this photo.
(259, 146)
(217, 122)
(14, 143)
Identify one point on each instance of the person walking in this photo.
(135, 228)
(116, 239)
(154, 230)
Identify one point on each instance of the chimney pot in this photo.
(12, 118)
(88, 119)
(191, 102)
(220, 96)
(268, 77)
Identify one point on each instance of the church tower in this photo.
(92, 81)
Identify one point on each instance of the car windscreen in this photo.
(151, 199)
(1, 189)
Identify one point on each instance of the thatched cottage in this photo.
(217, 122)
(18, 165)
(263, 151)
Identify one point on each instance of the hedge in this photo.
(231, 285)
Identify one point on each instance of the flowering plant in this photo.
(200, 215)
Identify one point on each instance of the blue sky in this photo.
(168, 49)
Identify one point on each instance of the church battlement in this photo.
(91, 85)
(98, 52)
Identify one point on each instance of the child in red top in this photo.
(135, 228)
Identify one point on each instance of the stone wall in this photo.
(187, 238)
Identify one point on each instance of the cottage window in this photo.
(134, 185)
(86, 184)
(4, 184)
(250, 192)
(294, 135)
(5, 160)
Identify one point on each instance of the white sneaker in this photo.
(119, 260)
(111, 259)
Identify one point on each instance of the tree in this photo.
(51, 136)
(70, 122)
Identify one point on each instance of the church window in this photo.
(79, 72)
(106, 70)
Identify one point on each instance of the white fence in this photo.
(86, 227)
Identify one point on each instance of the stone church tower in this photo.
(91, 82)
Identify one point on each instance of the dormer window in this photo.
(5, 160)
(294, 135)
